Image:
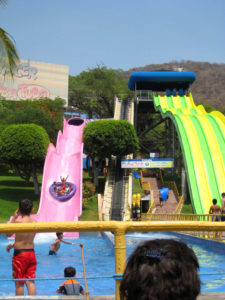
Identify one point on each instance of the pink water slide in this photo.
(64, 160)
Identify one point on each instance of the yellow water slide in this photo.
(202, 139)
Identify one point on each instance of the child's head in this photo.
(69, 272)
(223, 195)
(25, 207)
(59, 235)
(214, 201)
(161, 269)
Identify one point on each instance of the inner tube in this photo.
(54, 188)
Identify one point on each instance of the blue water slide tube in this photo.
(160, 80)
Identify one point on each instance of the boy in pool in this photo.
(23, 261)
(57, 243)
(70, 286)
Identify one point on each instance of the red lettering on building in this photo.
(24, 91)
(8, 93)
(32, 91)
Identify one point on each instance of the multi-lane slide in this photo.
(202, 139)
(64, 160)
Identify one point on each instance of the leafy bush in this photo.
(20, 143)
(2, 127)
(88, 191)
(24, 147)
(110, 137)
(45, 112)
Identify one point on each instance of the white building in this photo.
(35, 80)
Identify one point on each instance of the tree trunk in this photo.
(95, 173)
(90, 170)
(23, 171)
(35, 180)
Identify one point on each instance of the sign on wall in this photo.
(147, 163)
(35, 80)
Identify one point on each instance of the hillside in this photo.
(209, 86)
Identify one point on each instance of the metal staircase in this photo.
(118, 189)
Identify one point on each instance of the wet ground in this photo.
(203, 296)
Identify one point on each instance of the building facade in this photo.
(35, 80)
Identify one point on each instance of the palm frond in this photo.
(8, 53)
(3, 2)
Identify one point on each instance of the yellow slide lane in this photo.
(197, 156)
(202, 143)
(215, 155)
(212, 143)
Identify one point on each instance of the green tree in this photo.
(93, 91)
(208, 107)
(44, 112)
(24, 147)
(109, 137)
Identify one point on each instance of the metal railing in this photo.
(189, 218)
(179, 205)
(144, 94)
(172, 185)
(147, 187)
(118, 228)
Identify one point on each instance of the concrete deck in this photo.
(203, 296)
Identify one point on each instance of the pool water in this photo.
(211, 256)
(98, 257)
(100, 263)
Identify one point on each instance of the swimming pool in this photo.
(100, 264)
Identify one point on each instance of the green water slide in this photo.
(202, 139)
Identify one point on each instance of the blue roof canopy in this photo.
(160, 80)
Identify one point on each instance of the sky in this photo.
(118, 34)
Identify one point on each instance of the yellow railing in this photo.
(179, 205)
(146, 186)
(172, 185)
(152, 206)
(187, 218)
(119, 229)
(161, 177)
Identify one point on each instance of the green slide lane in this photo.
(202, 139)
(214, 129)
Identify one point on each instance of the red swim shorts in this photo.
(24, 264)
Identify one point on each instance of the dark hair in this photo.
(162, 269)
(223, 194)
(58, 234)
(69, 272)
(25, 206)
(214, 201)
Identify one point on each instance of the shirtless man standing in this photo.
(215, 209)
(23, 261)
(223, 203)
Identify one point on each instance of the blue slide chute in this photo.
(160, 80)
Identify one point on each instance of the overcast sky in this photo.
(120, 34)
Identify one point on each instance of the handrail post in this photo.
(120, 255)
